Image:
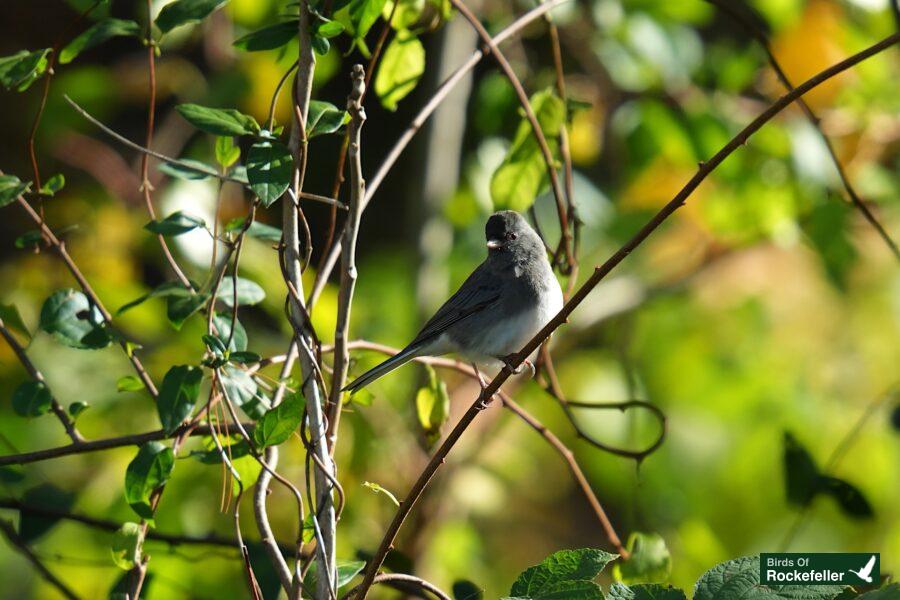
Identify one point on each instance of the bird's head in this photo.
(508, 232)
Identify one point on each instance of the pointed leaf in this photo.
(11, 188)
(324, 118)
(178, 395)
(561, 568)
(269, 168)
(218, 121)
(149, 470)
(96, 35)
(277, 425)
(650, 561)
(31, 399)
(226, 152)
(175, 224)
(182, 12)
(71, 318)
(269, 38)
(21, 69)
(126, 546)
(402, 64)
(248, 292)
(183, 170)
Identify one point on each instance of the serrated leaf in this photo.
(650, 561)
(257, 230)
(182, 12)
(402, 65)
(11, 188)
(276, 426)
(248, 292)
(523, 173)
(888, 592)
(644, 591)
(177, 223)
(575, 567)
(21, 69)
(71, 318)
(96, 35)
(739, 578)
(218, 121)
(46, 496)
(183, 170)
(324, 118)
(53, 185)
(126, 546)
(149, 470)
(269, 38)
(226, 152)
(178, 396)
(269, 169)
(31, 399)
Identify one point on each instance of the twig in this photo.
(60, 249)
(600, 272)
(348, 256)
(757, 33)
(38, 376)
(10, 532)
(262, 520)
(405, 138)
(210, 539)
(389, 578)
(136, 439)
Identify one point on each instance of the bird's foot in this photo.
(507, 360)
(482, 402)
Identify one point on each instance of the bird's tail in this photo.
(398, 360)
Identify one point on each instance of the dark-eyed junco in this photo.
(502, 305)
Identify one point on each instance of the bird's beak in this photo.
(494, 244)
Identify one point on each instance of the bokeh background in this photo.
(765, 305)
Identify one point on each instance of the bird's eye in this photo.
(510, 235)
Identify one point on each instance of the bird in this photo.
(506, 300)
(866, 572)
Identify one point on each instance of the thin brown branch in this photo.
(10, 532)
(135, 439)
(348, 255)
(57, 409)
(334, 252)
(755, 32)
(578, 297)
(389, 578)
(510, 74)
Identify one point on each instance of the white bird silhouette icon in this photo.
(866, 572)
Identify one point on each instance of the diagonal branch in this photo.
(38, 376)
(757, 33)
(578, 297)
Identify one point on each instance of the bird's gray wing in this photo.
(478, 292)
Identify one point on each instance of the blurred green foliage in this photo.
(765, 305)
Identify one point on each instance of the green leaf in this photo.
(523, 172)
(183, 170)
(888, 592)
(11, 475)
(248, 292)
(177, 223)
(46, 496)
(269, 38)
(242, 389)
(126, 546)
(182, 12)
(644, 591)
(324, 118)
(321, 45)
(739, 578)
(277, 425)
(432, 406)
(178, 395)
(346, 571)
(402, 64)
(222, 323)
(31, 399)
(149, 470)
(360, 15)
(248, 470)
(226, 152)
(257, 230)
(71, 318)
(650, 561)
(96, 35)
(406, 15)
(464, 589)
(78, 407)
(11, 188)
(328, 29)
(800, 472)
(29, 239)
(828, 227)
(218, 121)
(244, 357)
(21, 69)
(53, 185)
(179, 308)
(851, 500)
(269, 169)
(380, 490)
(10, 316)
(569, 571)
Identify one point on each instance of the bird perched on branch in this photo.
(506, 300)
